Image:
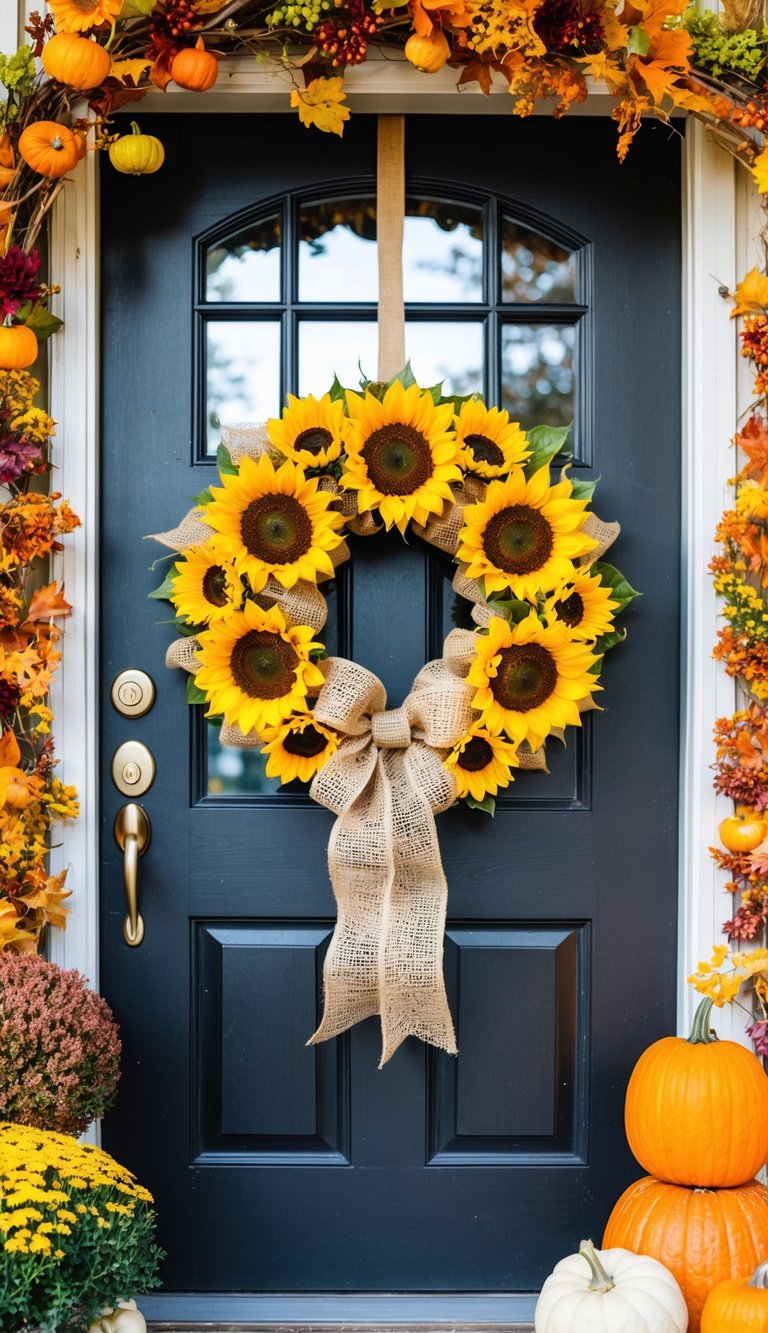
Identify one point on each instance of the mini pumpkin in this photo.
(430, 53)
(125, 1318)
(18, 347)
(75, 61)
(49, 148)
(702, 1236)
(744, 830)
(195, 68)
(738, 1306)
(610, 1291)
(696, 1110)
(137, 154)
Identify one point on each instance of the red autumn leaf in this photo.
(46, 602)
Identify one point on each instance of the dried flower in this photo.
(18, 279)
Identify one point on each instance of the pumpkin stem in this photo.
(760, 1277)
(135, 127)
(600, 1279)
(701, 1032)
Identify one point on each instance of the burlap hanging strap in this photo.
(385, 783)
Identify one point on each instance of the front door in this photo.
(245, 270)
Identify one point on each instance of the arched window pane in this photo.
(537, 373)
(246, 267)
(534, 268)
(442, 252)
(337, 251)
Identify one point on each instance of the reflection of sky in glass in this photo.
(452, 352)
(235, 772)
(242, 268)
(534, 268)
(341, 347)
(439, 264)
(243, 374)
(537, 374)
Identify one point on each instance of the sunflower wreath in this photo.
(248, 607)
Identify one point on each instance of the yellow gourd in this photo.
(137, 154)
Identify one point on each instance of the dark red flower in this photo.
(758, 1034)
(563, 25)
(10, 694)
(18, 279)
(17, 456)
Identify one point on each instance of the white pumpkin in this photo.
(610, 1291)
(127, 1318)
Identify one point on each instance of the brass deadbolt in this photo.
(133, 693)
(133, 769)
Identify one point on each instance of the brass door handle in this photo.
(132, 835)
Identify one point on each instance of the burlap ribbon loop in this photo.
(385, 783)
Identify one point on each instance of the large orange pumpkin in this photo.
(738, 1306)
(702, 1236)
(18, 347)
(75, 61)
(49, 148)
(195, 68)
(696, 1111)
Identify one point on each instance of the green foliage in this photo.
(621, 591)
(17, 74)
(718, 51)
(165, 592)
(546, 443)
(488, 804)
(194, 694)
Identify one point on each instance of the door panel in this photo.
(281, 1168)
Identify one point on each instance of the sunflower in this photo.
(254, 670)
(274, 521)
(524, 535)
(79, 15)
(203, 589)
(490, 444)
(481, 763)
(310, 431)
(401, 454)
(584, 604)
(530, 678)
(298, 748)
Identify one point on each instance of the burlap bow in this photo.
(386, 782)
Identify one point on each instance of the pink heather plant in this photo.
(59, 1046)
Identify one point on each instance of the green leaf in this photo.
(583, 490)
(546, 442)
(224, 463)
(621, 591)
(510, 608)
(639, 42)
(165, 591)
(203, 497)
(436, 393)
(488, 804)
(405, 376)
(42, 322)
(607, 641)
(337, 392)
(194, 695)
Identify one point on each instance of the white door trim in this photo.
(718, 225)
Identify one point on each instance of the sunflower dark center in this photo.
(484, 450)
(571, 610)
(398, 459)
(263, 665)
(215, 586)
(476, 755)
(276, 528)
(306, 744)
(526, 677)
(314, 440)
(518, 539)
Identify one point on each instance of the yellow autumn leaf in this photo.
(129, 69)
(752, 291)
(321, 104)
(209, 6)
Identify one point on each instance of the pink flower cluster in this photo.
(59, 1046)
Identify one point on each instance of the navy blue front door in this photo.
(243, 271)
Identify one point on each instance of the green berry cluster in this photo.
(17, 72)
(305, 14)
(718, 51)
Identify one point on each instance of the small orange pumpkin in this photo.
(75, 61)
(738, 1306)
(195, 68)
(743, 831)
(696, 1110)
(49, 148)
(18, 347)
(428, 54)
(702, 1236)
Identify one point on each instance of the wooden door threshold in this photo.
(340, 1328)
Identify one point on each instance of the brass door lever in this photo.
(132, 835)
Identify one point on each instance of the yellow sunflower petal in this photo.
(79, 15)
(205, 588)
(311, 431)
(489, 443)
(481, 763)
(299, 748)
(584, 604)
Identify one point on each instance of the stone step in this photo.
(338, 1328)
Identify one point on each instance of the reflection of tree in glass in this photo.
(235, 772)
(235, 266)
(226, 386)
(537, 375)
(534, 268)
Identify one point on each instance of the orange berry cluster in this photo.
(753, 115)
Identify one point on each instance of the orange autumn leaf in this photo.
(667, 61)
(46, 602)
(10, 754)
(428, 14)
(753, 441)
(752, 292)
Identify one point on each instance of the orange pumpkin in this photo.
(428, 54)
(195, 68)
(743, 831)
(49, 148)
(738, 1306)
(75, 61)
(696, 1110)
(702, 1236)
(18, 347)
